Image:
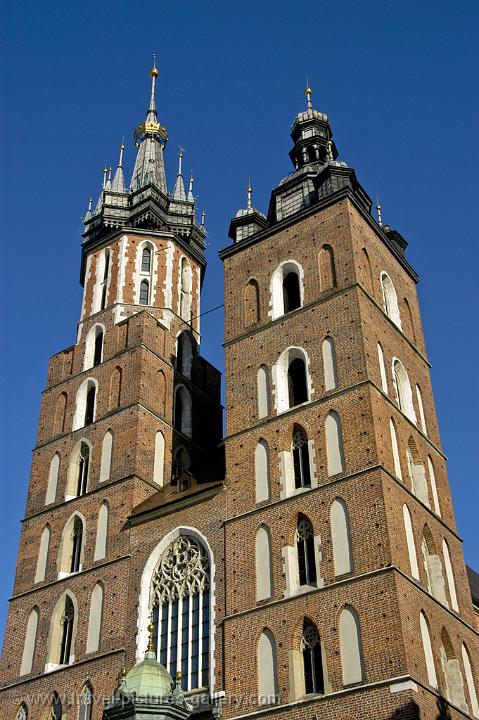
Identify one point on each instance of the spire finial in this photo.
(90, 203)
(249, 190)
(308, 92)
(203, 215)
(105, 170)
(378, 208)
(190, 187)
(122, 147)
(180, 160)
(151, 629)
(154, 74)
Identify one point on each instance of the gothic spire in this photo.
(179, 190)
(118, 184)
(150, 139)
(191, 197)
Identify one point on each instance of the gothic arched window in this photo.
(312, 659)
(297, 382)
(67, 632)
(144, 292)
(86, 703)
(390, 299)
(22, 713)
(83, 465)
(77, 541)
(56, 712)
(291, 292)
(180, 596)
(300, 448)
(146, 260)
(305, 550)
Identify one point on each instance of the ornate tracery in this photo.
(180, 599)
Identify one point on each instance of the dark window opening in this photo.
(90, 405)
(144, 292)
(65, 647)
(305, 550)
(77, 544)
(103, 297)
(297, 386)
(302, 474)
(291, 294)
(107, 266)
(312, 660)
(146, 260)
(83, 465)
(178, 411)
(97, 355)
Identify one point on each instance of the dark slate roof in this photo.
(473, 578)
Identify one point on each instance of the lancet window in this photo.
(180, 598)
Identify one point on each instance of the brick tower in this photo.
(129, 430)
(346, 591)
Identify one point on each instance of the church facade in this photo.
(306, 563)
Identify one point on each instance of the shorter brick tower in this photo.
(129, 428)
(344, 571)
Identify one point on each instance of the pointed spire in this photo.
(88, 212)
(108, 182)
(191, 197)
(179, 189)
(105, 170)
(118, 184)
(153, 74)
(308, 92)
(378, 208)
(99, 203)
(203, 215)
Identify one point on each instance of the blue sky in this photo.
(395, 78)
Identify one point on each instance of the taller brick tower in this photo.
(347, 594)
(129, 428)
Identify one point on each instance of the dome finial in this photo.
(249, 190)
(151, 629)
(379, 208)
(154, 69)
(308, 92)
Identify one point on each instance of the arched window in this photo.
(94, 624)
(52, 479)
(56, 712)
(70, 556)
(22, 713)
(60, 413)
(327, 269)
(61, 639)
(297, 382)
(263, 392)
(395, 449)
(115, 388)
(466, 661)
(85, 409)
(184, 355)
(106, 450)
(106, 272)
(450, 576)
(78, 470)
(146, 260)
(334, 444)
(452, 673)
(306, 554)
(251, 303)
(144, 297)
(301, 460)
(159, 458)
(291, 292)
(312, 659)
(411, 545)
(390, 299)
(86, 702)
(161, 385)
(186, 279)
(382, 369)
(433, 567)
(43, 555)
(94, 346)
(417, 472)
(262, 480)
(181, 611)
(264, 577)
(420, 405)
(403, 390)
(432, 480)
(267, 675)
(351, 650)
(428, 656)
(30, 642)
(286, 288)
(101, 532)
(182, 414)
(181, 476)
(329, 364)
(341, 538)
